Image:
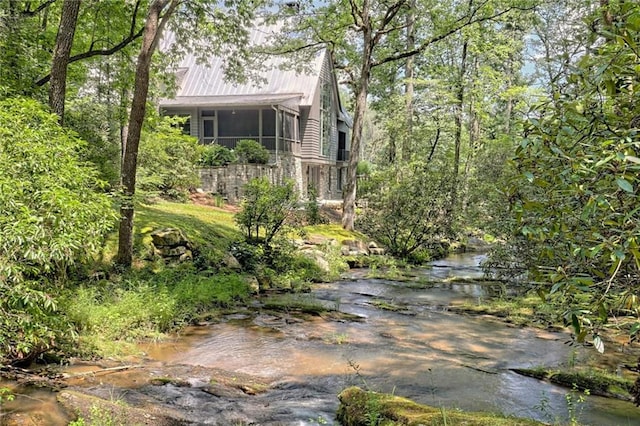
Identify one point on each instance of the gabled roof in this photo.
(201, 84)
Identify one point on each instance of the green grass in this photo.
(153, 298)
(527, 310)
(112, 316)
(334, 231)
(202, 224)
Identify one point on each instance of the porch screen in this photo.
(238, 124)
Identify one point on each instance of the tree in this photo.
(363, 36)
(159, 12)
(61, 53)
(576, 204)
(200, 22)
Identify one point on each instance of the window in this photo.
(326, 122)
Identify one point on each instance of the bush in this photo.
(30, 324)
(96, 124)
(311, 208)
(250, 151)
(264, 209)
(52, 210)
(168, 160)
(406, 214)
(216, 155)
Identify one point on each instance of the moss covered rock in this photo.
(363, 408)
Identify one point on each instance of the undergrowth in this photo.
(111, 315)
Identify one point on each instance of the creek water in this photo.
(421, 351)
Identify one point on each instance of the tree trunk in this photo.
(457, 116)
(408, 75)
(61, 54)
(361, 92)
(151, 34)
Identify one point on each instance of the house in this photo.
(298, 117)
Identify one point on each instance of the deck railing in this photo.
(269, 142)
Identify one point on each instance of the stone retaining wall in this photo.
(228, 181)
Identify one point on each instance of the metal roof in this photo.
(204, 84)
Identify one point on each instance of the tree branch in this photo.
(41, 7)
(462, 23)
(99, 52)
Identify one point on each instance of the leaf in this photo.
(529, 176)
(575, 322)
(598, 344)
(624, 185)
(632, 159)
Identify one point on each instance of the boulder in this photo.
(231, 262)
(176, 251)
(253, 284)
(376, 251)
(169, 237)
(319, 259)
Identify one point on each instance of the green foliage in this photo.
(144, 305)
(405, 208)
(311, 207)
(5, 395)
(217, 155)
(52, 212)
(167, 160)
(250, 151)
(576, 202)
(30, 323)
(94, 123)
(264, 209)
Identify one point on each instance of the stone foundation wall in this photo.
(227, 181)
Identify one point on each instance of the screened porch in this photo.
(277, 130)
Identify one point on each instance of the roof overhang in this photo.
(290, 99)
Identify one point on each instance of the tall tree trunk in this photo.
(408, 75)
(151, 33)
(361, 92)
(457, 116)
(61, 54)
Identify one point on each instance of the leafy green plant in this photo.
(30, 323)
(52, 212)
(264, 209)
(250, 151)
(576, 201)
(397, 214)
(6, 395)
(168, 159)
(216, 155)
(311, 207)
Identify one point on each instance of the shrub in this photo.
(250, 151)
(407, 214)
(264, 209)
(52, 210)
(311, 208)
(216, 155)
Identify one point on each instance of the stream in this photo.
(421, 351)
